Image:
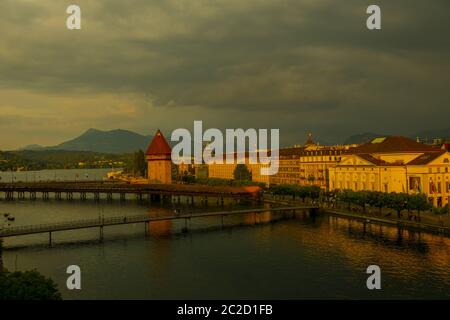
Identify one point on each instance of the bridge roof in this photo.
(158, 146)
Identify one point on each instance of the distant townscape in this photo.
(365, 162)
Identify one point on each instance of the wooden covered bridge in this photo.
(23, 191)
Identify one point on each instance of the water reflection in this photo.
(263, 255)
(163, 227)
(408, 254)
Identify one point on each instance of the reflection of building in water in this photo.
(381, 245)
(163, 227)
(261, 217)
(160, 228)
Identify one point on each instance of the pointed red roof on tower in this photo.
(158, 146)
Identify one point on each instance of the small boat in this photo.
(11, 218)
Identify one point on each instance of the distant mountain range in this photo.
(125, 141)
(114, 141)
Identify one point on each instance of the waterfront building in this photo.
(226, 170)
(159, 160)
(308, 164)
(395, 164)
(303, 165)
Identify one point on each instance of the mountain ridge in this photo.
(114, 141)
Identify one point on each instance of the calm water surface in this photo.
(302, 258)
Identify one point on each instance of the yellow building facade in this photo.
(226, 171)
(303, 165)
(395, 164)
(307, 166)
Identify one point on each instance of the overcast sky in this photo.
(296, 65)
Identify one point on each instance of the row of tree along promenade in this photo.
(400, 209)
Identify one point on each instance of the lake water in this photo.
(306, 257)
(323, 257)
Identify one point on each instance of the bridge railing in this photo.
(74, 224)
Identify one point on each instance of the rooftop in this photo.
(393, 144)
(158, 146)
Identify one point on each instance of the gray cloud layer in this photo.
(297, 65)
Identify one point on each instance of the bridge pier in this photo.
(146, 227)
(50, 238)
(185, 229)
(32, 195)
(158, 193)
(101, 233)
(122, 197)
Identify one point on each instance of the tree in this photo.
(397, 202)
(441, 211)
(360, 198)
(242, 173)
(313, 192)
(139, 166)
(418, 202)
(27, 285)
(347, 196)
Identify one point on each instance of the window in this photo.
(414, 183)
(446, 160)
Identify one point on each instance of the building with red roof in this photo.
(159, 160)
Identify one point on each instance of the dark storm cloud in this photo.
(297, 65)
